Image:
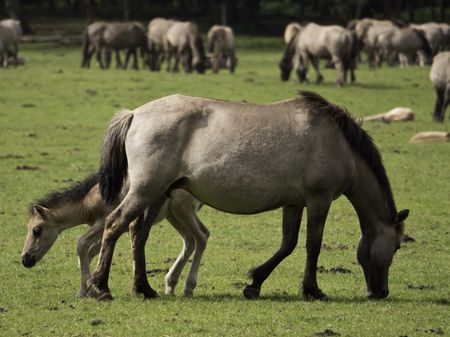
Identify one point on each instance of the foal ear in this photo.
(41, 210)
(402, 215)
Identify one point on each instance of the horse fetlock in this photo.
(188, 292)
(146, 290)
(251, 293)
(104, 296)
(314, 293)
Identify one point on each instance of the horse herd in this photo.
(238, 158)
(163, 40)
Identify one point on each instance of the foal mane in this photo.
(359, 140)
(75, 192)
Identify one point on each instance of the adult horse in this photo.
(158, 43)
(407, 42)
(187, 46)
(246, 159)
(10, 34)
(440, 77)
(222, 48)
(315, 42)
(81, 203)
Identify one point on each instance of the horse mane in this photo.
(359, 140)
(75, 192)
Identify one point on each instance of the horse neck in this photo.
(369, 200)
(86, 211)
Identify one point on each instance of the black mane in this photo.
(359, 140)
(75, 192)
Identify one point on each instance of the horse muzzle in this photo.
(28, 260)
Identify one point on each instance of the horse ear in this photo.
(402, 215)
(41, 210)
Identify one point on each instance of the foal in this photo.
(81, 203)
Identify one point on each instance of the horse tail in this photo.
(358, 139)
(426, 47)
(113, 162)
(212, 42)
(85, 48)
(354, 50)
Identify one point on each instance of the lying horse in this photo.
(245, 159)
(222, 48)
(440, 77)
(315, 42)
(81, 203)
(398, 114)
(158, 43)
(187, 46)
(429, 137)
(10, 35)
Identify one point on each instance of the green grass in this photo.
(52, 117)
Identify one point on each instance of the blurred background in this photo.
(265, 17)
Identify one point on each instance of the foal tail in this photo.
(113, 162)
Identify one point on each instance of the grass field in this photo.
(52, 118)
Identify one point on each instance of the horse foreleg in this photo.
(119, 61)
(315, 63)
(342, 71)
(135, 60)
(438, 105)
(317, 214)
(445, 101)
(139, 231)
(172, 277)
(291, 225)
(88, 246)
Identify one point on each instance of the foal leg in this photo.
(91, 237)
(317, 214)
(172, 277)
(292, 216)
(139, 231)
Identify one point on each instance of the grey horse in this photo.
(245, 159)
(222, 48)
(440, 77)
(10, 34)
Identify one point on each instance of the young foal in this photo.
(81, 203)
(246, 159)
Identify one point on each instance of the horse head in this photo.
(42, 233)
(286, 61)
(375, 254)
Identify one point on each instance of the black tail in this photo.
(85, 49)
(358, 139)
(113, 163)
(425, 44)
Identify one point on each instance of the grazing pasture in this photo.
(53, 115)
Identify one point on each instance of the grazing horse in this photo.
(187, 46)
(125, 35)
(440, 77)
(245, 159)
(158, 43)
(291, 30)
(407, 42)
(81, 203)
(10, 35)
(222, 48)
(315, 42)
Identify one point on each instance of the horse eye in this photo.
(37, 231)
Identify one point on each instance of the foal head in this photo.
(375, 254)
(42, 233)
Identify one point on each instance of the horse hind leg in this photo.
(139, 230)
(438, 105)
(445, 102)
(317, 214)
(315, 63)
(291, 225)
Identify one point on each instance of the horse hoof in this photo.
(315, 294)
(104, 297)
(147, 292)
(251, 293)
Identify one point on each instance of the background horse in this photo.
(93, 44)
(222, 48)
(10, 35)
(440, 77)
(81, 203)
(158, 43)
(315, 42)
(187, 46)
(246, 159)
